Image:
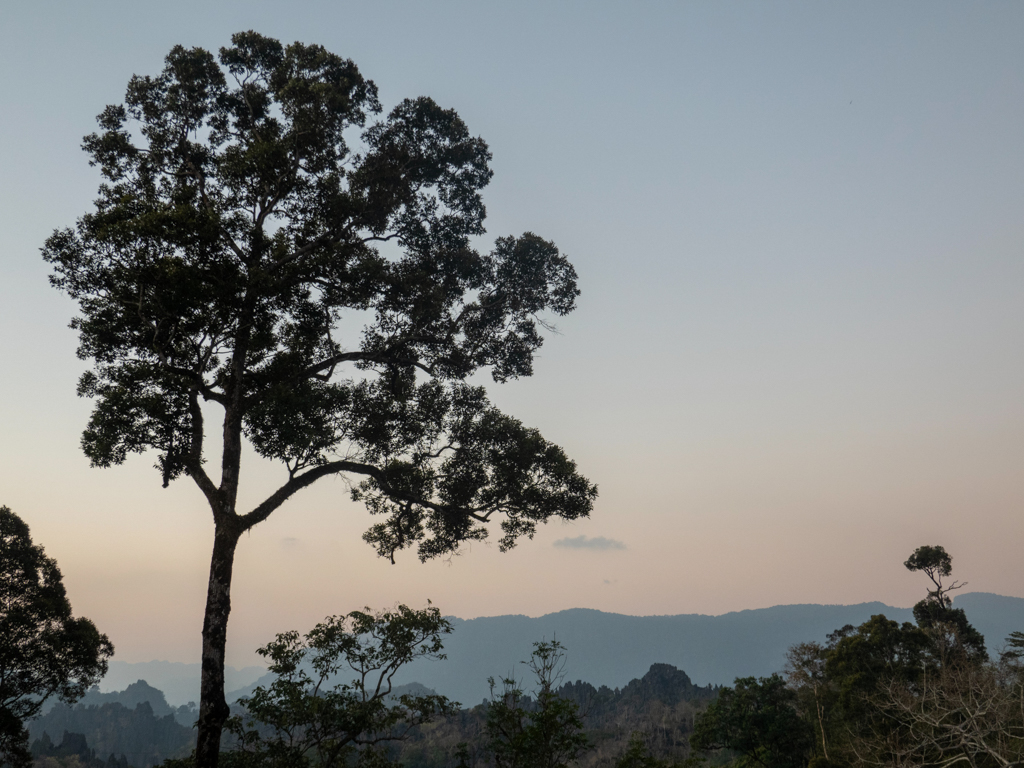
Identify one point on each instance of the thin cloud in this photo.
(582, 542)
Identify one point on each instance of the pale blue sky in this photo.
(799, 352)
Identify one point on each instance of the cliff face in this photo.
(113, 729)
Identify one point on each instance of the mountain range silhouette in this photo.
(611, 649)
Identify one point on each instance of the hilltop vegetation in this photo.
(611, 649)
(926, 692)
(114, 731)
(659, 707)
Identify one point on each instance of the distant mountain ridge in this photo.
(612, 649)
(644, 658)
(135, 694)
(178, 681)
(651, 663)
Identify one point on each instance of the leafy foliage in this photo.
(952, 636)
(244, 215)
(758, 719)
(913, 694)
(44, 650)
(546, 732)
(1013, 652)
(936, 564)
(657, 710)
(301, 719)
(638, 754)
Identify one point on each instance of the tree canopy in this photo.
(952, 636)
(543, 732)
(235, 228)
(44, 650)
(757, 718)
(305, 717)
(911, 694)
(267, 244)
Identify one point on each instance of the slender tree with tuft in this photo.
(255, 211)
(936, 564)
(953, 637)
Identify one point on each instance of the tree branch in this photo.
(297, 483)
(195, 452)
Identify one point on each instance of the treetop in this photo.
(267, 242)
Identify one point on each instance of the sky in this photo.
(798, 353)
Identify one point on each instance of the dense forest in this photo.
(660, 707)
(921, 693)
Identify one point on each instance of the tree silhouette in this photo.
(44, 651)
(758, 719)
(953, 637)
(936, 564)
(302, 719)
(254, 214)
(545, 731)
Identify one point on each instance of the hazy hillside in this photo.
(604, 649)
(612, 649)
(135, 694)
(995, 616)
(112, 729)
(179, 682)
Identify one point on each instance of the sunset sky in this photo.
(798, 353)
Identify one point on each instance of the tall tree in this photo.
(953, 638)
(44, 650)
(873, 691)
(254, 213)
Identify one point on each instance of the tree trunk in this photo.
(213, 709)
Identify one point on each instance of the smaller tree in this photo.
(805, 672)
(300, 721)
(759, 720)
(1013, 650)
(44, 651)
(541, 732)
(638, 754)
(871, 692)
